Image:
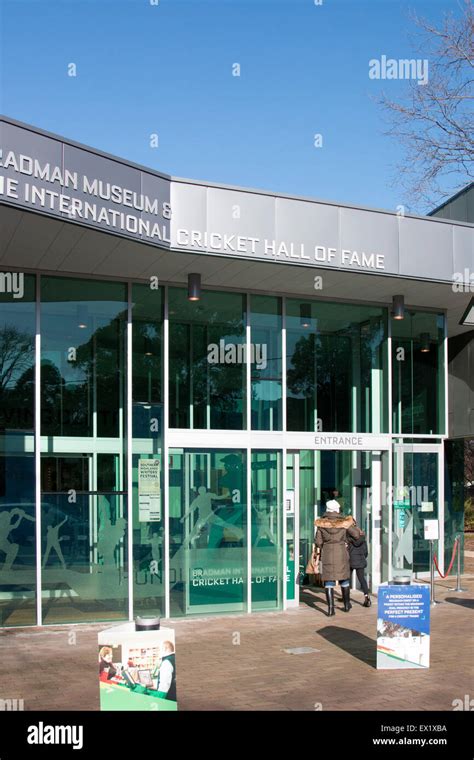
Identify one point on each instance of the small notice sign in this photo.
(431, 530)
(149, 491)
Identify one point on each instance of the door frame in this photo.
(422, 448)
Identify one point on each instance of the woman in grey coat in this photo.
(333, 530)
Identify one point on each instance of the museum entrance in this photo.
(312, 479)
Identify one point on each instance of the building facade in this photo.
(190, 371)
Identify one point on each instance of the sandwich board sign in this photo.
(403, 627)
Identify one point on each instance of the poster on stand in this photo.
(403, 627)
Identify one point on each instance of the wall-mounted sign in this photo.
(49, 175)
(149, 492)
(427, 506)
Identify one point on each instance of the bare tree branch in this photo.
(434, 122)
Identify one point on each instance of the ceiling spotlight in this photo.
(194, 287)
(305, 315)
(81, 316)
(425, 342)
(398, 307)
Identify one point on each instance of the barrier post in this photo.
(458, 588)
(433, 601)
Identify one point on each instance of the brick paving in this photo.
(55, 668)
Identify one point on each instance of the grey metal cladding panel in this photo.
(159, 188)
(426, 249)
(67, 237)
(189, 210)
(463, 249)
(247, 215)
(26, 143)
(10, 218)
(370, 233)
(31, 239)
(470, 206)
(310, 224)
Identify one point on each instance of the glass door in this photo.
(416, 498)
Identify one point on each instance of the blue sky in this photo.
(167, 69)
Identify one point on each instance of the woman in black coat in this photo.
(358, 553)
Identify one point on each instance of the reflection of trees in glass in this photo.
(70, 392)
(16, 378)
(319, 372)
(192, 377)
(147, 361)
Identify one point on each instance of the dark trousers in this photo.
(361, 579)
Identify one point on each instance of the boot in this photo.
(330, 601)
(346, 597)
(367, 601)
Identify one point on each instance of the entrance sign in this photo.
(149, 492)
(403, 627)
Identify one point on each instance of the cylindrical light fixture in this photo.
(82, 316)
(194, 287)
(147, 347)
(305, 314)
(425, 342)
(398, 307)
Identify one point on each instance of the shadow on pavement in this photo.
(354, 643)
(469, 603)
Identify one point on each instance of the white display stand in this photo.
(137, 669)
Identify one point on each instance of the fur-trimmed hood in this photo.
(334, 520)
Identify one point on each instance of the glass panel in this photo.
(17, 464)
(84, 506)
(267, 530)
(308, 500)
(147, 426)
(386, 509)
(207, 375)
(418, 373)
(207, 524)
(459, 459)
(337, 379)
(336, 479)
(415, 499)
(266, 324)
(290, 513)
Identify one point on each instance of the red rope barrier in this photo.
(435, 559)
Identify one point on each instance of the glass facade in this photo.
(17, 461)
(83, 474)
(208, 533)
(337, 359)
(266, 362)
(134, 381)
(418, 374)
(207, 386)
(147, 315)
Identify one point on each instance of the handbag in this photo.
(312, 567)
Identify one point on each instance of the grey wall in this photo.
(460, 207)
(461, 385)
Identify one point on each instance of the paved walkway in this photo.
(239, 662)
